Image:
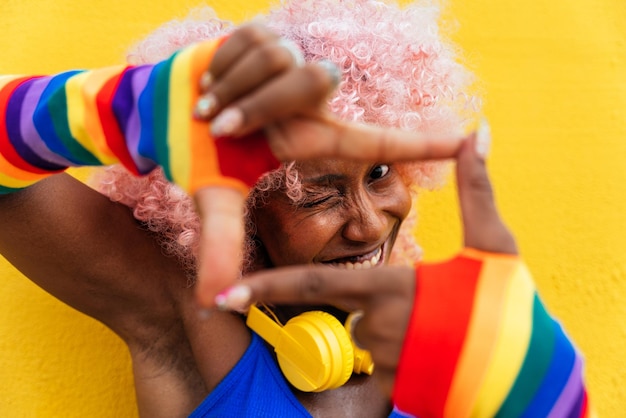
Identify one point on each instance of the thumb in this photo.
(483, 228)
(221, 241)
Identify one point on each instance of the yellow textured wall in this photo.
(554, 77)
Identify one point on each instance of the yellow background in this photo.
(554, 77)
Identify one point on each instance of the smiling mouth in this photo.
(365, 261)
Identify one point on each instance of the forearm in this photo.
(480, 343)
(140, 117)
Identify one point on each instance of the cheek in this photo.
(306, 242)
(406, 202)
(400, 201)
(291, 238)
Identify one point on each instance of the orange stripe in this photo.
(12, 176)
(204, 162)
(481, 337)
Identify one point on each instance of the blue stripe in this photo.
(43, 121)
(146, 99)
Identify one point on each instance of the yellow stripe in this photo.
(511, 346)
(93, 124)
(180, 114)
(77, 110)
(481, 336)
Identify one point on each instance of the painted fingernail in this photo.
(334, 74)
(206, 79)
(205, 106)
(483, 138)
(236, 297)
(227, 122)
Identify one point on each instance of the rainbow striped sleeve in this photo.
(139, 116)
(481, 344)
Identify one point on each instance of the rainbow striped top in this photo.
(139, 116)
(481, 344)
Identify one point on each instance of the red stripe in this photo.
(246, 158)
(6, 147)
(442, 309)
(114, 136)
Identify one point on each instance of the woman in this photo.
(350, 214)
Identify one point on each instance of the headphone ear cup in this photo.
(322, 335)
(363, 362)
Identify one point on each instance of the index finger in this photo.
(375, 143)
(347, 289)
(325, 136)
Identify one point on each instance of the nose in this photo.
(366, 219)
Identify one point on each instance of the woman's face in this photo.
(349, 218)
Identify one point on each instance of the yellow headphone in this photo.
(314, 350)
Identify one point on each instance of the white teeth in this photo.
(372, 262)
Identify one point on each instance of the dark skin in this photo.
(176, 362)
(150, 309)
(92, 254)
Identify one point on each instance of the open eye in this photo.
(379, 171)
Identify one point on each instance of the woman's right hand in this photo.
(256, 81)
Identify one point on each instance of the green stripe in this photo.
(161, 113)
(57, 106)
(536, 363)
(8, 190)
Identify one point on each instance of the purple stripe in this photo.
(13, 121)
(133, 126)
(30, 134)
(570, 392)
(577, 409)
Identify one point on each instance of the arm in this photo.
(138, 116)
(83, 249)
(480, 343)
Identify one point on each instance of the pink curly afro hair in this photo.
(397, 71)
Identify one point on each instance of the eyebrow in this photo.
(324, 179)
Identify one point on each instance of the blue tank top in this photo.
(255, 387)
